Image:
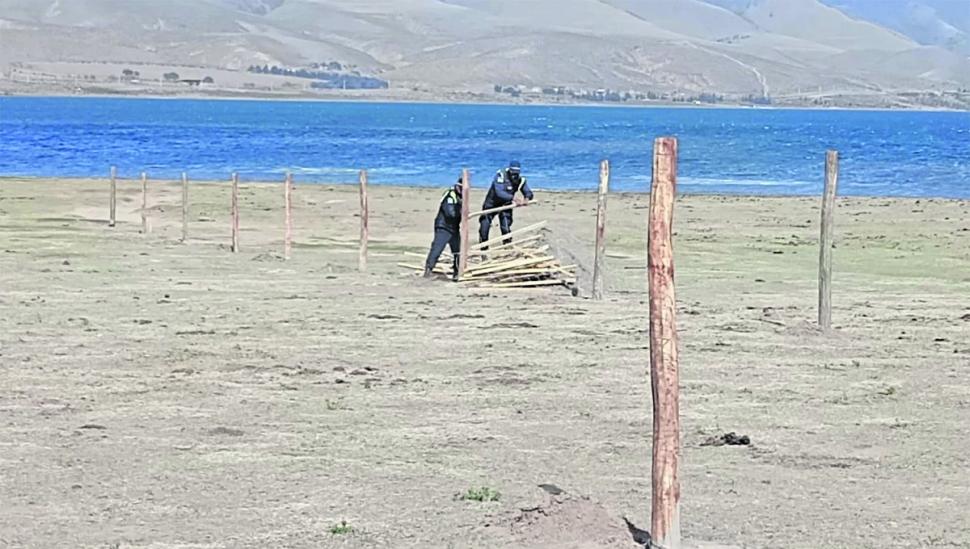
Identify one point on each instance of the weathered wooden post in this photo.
(600, 258)
(364, 222)
(287, 215)
(664, 376)
(114, 197)
(825, 241)
(144, 203)
(185, 207)
(466, 185)
(235, 213)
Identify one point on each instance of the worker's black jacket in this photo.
(449, 212)
(503, 190)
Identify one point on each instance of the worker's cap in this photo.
(515, 166)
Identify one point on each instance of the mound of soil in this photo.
(571, 522)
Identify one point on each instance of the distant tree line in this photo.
(351, 82)
(325, 76)
(128, 75)
(617, 96)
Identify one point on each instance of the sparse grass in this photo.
(341, 529)
(483, 494)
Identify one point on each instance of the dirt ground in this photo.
(159, 394)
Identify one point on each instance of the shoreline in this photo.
(429, 186)
(497, 102)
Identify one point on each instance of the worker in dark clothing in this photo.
(505, 186)
(447, 226)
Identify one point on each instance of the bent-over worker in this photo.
(505, 186)
(447, 230)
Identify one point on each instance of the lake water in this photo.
(758, 151)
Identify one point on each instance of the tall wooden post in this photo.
(364, 222)
(825, 241)
(235, 213)
(600, 258)
(287, 215)
(664, 375)
(185, 207)
(144, 203)
(112, 206)
(466, 185)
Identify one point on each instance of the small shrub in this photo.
(341, 529)
(483, 494)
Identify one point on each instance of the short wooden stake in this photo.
(144, 203)
(600, 258)
(825, 241)
(287, 215)
(664, 375)
(114, 197)
(364, 222)
(235, 213)
(466, 185)
(185, 207)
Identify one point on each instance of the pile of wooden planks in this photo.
(526, 262)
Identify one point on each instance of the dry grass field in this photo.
(160, 394)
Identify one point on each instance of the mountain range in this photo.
(771, 48)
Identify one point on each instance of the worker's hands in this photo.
(521, 201)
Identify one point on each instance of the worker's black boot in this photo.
(454, 270)
(428, 273)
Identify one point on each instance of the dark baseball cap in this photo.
(515, 166)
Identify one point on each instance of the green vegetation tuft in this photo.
(483, 494)
(341, 529)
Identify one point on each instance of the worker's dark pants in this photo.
(504, 221)
(442, 238)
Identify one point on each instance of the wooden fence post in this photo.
(288, 216)
(114, 197)
(466, 185)
(185, 207)
(664, 375)
(144, 203)
(364, 222)
(825, 241)
(235, 213)
(600, 258)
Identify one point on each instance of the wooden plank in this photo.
(825, 241)
(185, 207)
(552, 270)
(466, 186)
(517, 244)
(529, 284)
(235, 213)
(489, 265)
(600, 251)
(501, 209)
(287, 215)
(510, 254)
(144, 204)
(508, 265)
(364, 223)
(500, 239)
(664, 374)
(113, 200)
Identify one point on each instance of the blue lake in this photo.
(756, 151)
